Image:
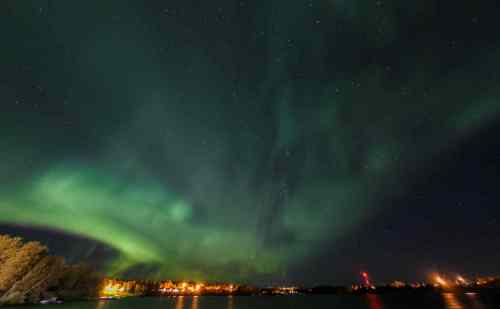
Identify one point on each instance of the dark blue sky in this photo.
(258, 141)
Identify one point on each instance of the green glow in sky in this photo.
(221, 153)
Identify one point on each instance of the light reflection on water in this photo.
(194, 302)
(179, 304)
(230, 302)
(100, 305)
(374, 301)
(452, 301)
(369, 301)
(476, 304)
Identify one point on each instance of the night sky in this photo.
(254, 141)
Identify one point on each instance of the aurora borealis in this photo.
(252, 140)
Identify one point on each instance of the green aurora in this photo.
(207, 161)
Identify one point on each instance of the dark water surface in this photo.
(446, 300)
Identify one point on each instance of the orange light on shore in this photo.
(461, 280)
(440, 281)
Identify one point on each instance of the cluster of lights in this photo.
(115, 288)
(182, 288)
(357, 287)
(484, 280)
(398, 284)
(437, 280)
(457, 281)
(285, 290)
(440, 281)
(120, 288)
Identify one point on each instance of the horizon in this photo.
(429, 278)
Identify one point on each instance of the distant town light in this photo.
(440, 281)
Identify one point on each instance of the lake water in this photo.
(446, 300)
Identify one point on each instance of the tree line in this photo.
(28, 274)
